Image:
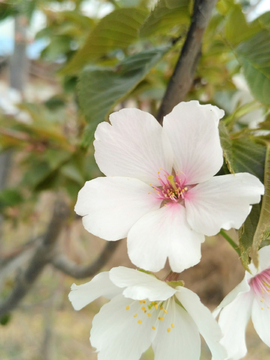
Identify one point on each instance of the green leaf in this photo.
(72, 172)
(236, 27)
(246, 234)
(242, 154)
(10, 197)
(263, 228)
(102, 88)
(117, 30)
(166, 15)
(5, 319)
(254, 55)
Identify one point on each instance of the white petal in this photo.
(241, 288)
(222, 202)
(204, 320)
(117, 334)
(233, 320)
(164, 233)
(264, 258)
(182, 342)
(133, 146)
(111, 205)
(193, 131)
(261, 318)
(139, 285)
(100, 285)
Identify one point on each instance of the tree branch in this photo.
(40, 258)
(183, 74)
(69, 267)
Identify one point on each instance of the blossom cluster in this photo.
(161, 193)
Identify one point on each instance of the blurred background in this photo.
(64, 66)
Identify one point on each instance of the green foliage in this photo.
(243, 30)
(166, 15)
(102, 88)
(255, 57)
(246, 234)
(242, 154)
(262, 232)
(117, 30)
(10, 197)
(5, 319)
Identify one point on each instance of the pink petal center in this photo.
(260, 285)
(171, 189)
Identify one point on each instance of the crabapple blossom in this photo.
(145, 311)
(251, 298)
(160, 192)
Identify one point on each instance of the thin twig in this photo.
(230, 241)
(40, 258)
(183, 74)
(69, 267)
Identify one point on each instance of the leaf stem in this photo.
(230, 241)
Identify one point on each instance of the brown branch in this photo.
(40, 258)
(183, 74)
(69, 267)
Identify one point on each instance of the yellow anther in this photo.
(149, 193)
(158, 172)
(145, 311)
(165, 311)
(127, 307)
(143, 308)
(153, 328)
(168, 329)
(161, 318)
(143, 301)
(135, 315)
(172, 325)
(185, 188)
(161, 307)
(148, 314)
(139, 321)
(140, 301)
(155, 305)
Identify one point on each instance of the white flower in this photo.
(145, 311)
(251, 298)
(160, 191)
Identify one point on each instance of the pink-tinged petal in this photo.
(133, 146)
(204, 320)
(260, 315)
(193, 131)
(164, 233)
(119, 335)
(222, 202)
(110, 206)
(264, 258)
(100, 285)
(139, 285)
(180, 342)
(233, 320)
(241, 288)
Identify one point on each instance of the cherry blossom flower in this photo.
(143, 311)
(160, 192)
(251, 298)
